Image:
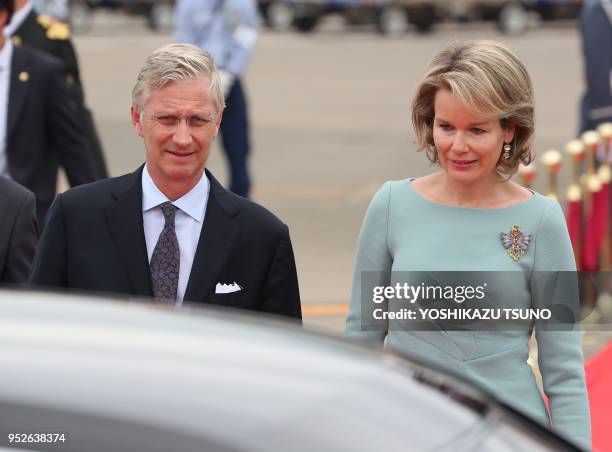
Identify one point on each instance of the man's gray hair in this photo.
(172, 63)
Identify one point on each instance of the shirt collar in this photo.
(6, 53)
(17, 19)
(190, 203)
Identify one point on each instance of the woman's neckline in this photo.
(484, 209)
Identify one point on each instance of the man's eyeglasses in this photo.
(172, 122)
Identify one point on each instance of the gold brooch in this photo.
(515, 242)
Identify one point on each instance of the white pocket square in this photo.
(227, 288)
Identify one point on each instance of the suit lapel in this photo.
(219, 234)
(124, 219)
(18, 89)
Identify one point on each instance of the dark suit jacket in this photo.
(18, 232)
(94, 240)
(36, 34)
(43, 129)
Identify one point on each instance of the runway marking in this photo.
(323, 310)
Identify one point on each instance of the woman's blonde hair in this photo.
(490, 79)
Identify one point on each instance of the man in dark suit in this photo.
(18, 232)
(596, 31)
(53, 37)
(169, 229)
(40, 124)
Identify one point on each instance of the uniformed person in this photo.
(52, 36)
(40, 127)
(596, 30)
(227, 29)
(60, 9)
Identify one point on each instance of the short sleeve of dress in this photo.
(372, 256)
(559, 348)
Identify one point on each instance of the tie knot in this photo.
(169, 210)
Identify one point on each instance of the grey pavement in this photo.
(331, 123)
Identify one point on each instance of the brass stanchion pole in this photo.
(575, 151)
(527, 174)
(591, 180)
(552, 162)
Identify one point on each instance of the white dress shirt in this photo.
(188, 222)
(17, 19)
(6, 53)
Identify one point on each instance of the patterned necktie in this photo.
(165, 261)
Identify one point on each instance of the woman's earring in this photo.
(507, 149)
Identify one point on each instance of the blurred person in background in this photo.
(53, 37)
(169, 230)
(473, 115)
(227, 29)
(596, 31)
(58, 9)
(18, 232)
(39, 122)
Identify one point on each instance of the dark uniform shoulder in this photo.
(40, 31)
(54, 29)
(50, 36)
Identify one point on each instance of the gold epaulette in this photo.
(45, 21)
(55, 28)
(58, 30)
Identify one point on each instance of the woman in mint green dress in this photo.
(473, 115)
